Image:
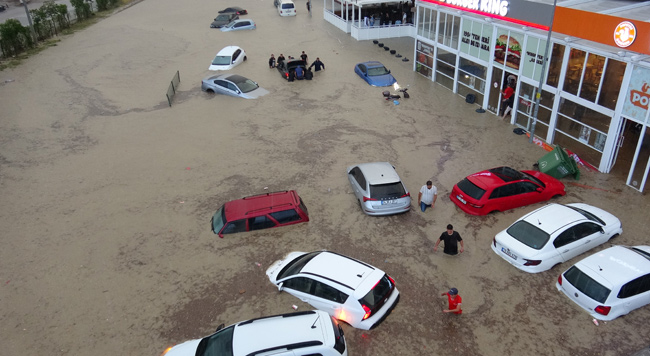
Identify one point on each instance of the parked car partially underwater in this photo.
(233, 85)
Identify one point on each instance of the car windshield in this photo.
(230, 25)
(375, 298)
(586, 284)
(387, 191)
(221, 60)
(377, 71)
(222, 18)
(217, 344)
(218, 220)
(244, 84)
(534, 179)
(587, 214)
(296, 265)
(528, 234)
(470, 189)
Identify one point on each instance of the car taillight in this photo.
(406, 195)
(559, 279)
(532, 262)
(474, 205)
(391, 280)
(494, 241)
(602, 310)
(368, 312)
(365, 199)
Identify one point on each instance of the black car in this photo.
(235, 9)
(289, 70)
(224, 19)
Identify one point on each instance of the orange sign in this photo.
(641, 98)
(624, 34)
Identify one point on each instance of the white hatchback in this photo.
(285, 7)
(349, 290)
(379, 189)
(303, 333)
(228, 58)
(609, 283)
(554, 234)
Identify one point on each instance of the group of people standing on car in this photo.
(298, 72)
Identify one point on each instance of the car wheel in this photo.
(556, 196)
(245, 58)
(493, 212)
(210, 91)
(613, 237)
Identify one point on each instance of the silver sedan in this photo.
(233, 85)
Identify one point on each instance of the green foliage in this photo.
(102, 5)
(14, 38)
(81, 9)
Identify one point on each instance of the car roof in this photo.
(277, 331)
(552, 217)
(372, 64)
(616, 265)
(242, 20)
(261, 203)
(339, 268)
(228, 51)
(379, 172)
(495, 176)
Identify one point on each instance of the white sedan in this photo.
(228, 58)
(554, 234)
(609, 283)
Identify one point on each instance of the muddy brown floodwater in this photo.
(107, 194)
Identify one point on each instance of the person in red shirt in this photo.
(454, 301)
(508, 99)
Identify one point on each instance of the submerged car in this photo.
(233, 85)
(238, 25)
(379, 189)
(375, 74)
(302, 333)
(236, 9)
(285, 7)
(554, 234)
(223, 20)
(258, 212)
(287, 68)
(504, 188)
(349, 290)
(609, 283)
(228, 58)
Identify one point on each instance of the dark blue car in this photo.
(375, 74)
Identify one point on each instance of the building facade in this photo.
(595, 85)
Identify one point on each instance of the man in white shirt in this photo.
(427, 196)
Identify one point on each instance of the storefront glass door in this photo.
(495, 90)
(639, 171)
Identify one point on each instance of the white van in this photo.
(285, 7)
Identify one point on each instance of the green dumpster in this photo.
(558, 164)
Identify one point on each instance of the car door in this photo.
(235, 56)
(233, 227)
(327, 298)
(577, 239)
(299, 287)
(501, 198)
(527, 194)
(260, 222)
(286, 217)
(358, 182)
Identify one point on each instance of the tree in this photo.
(14, 37)
(81, 9)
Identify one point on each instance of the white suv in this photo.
(379, 189)
(609, 283)
(349, 290)
(309, 332)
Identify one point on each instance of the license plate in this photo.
(384, 202)
(461, 199)
(507, 252)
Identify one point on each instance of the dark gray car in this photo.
(224, 19)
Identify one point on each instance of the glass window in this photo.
(555, 65)
(635, 287)
(586, 153)
(286, 216)
(324, 291)
(471, 189)
(565, 238)
(471, 79)
(574, 71)
(424, 60)
(219, 343)
(584, 115)
(526, 107)
(260, 222)
(586, 284)
(614, 71)
(235, 226)
(504, 191)
(422, 21)
(445, 68)
(449, 30)
(591, 79)
(528, 234)
(375, 298)
(387, 191)
(296, 265)
(300, 284)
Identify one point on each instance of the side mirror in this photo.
(280, 287)
(220, 327)
(539, 190)
(389, 72)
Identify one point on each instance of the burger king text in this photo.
(494, 7)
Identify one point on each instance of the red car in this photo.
(504, 188)
(259, 212)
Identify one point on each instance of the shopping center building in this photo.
(595, 86)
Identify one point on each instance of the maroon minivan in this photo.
(261, 211)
